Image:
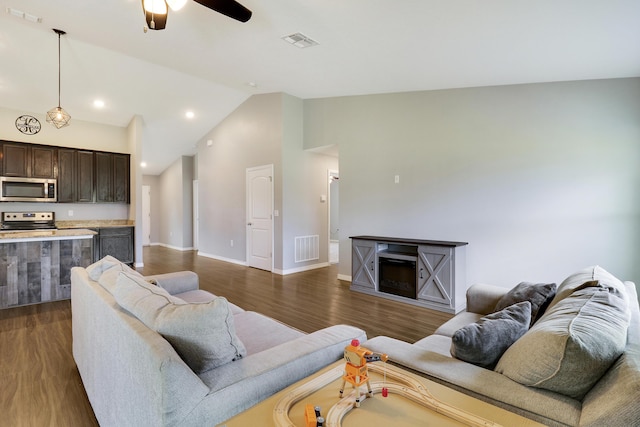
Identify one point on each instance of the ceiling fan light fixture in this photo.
(176, 4)
(158, 7)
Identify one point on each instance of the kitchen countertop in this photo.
(95, 223)
(24, 236)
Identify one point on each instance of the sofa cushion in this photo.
(482, 343)
(538, 294)
(576, 281)
(203, 334)
(573, 344)
(96, 269)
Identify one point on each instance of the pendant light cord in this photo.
(59, 80)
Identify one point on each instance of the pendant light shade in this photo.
(58, 116)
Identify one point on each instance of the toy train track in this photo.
(403, 385)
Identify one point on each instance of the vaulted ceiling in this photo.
(209, 64)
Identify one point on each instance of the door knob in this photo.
(249, 223)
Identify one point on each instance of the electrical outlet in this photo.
(70, 213)
(397, 179)
(231, 243)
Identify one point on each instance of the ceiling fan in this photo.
(156, 11)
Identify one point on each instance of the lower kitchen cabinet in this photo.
(115, 241)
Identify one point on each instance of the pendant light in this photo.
(57, 116)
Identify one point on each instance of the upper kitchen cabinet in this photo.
(30, 161)
(75, 176)
(112, 177)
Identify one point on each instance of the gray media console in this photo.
(428, 273)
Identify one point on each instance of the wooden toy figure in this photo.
(355, 370)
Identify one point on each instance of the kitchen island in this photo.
(35, 266)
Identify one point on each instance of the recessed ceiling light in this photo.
(189, 114)
(98, 103)
(252, 84)
(143, 164)
(300, 40)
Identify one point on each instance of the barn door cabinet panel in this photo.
(364, 275)
(29, 161)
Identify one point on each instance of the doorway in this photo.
(196, 216)
(334, 223)
(259, 206)
(146, 215)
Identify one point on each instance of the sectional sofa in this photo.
(158, 351)
(564, 356)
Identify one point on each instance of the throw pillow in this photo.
(203, 334)
(482, 343)
(538, 294)
(573, 344)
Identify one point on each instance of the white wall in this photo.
(540, 179)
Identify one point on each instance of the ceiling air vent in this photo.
(300, 40)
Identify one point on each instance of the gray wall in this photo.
(266, 129)
(304, 182)
(176, 204)
(250, 136)
(540, 179)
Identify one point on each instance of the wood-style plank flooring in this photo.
(39, 382)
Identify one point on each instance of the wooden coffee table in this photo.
(412, 401)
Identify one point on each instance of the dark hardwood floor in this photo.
(39, 382)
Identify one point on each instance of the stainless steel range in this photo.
(27, 221)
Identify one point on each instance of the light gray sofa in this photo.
(133, 376)
(612, 401)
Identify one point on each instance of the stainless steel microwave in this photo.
(13, 189)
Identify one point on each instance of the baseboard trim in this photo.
(172, 247)
(219, 258)
(300, 269)
(344, 277)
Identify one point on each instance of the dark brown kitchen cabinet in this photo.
(114, 241)
(75, 176)
(30, 161)
(112, 178)
(83, 176)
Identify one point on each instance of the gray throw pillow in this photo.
(483, 343)
(538, 294)
(573, 344)
(203, 334)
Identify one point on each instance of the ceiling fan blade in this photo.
(230, 8)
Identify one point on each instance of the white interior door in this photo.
(259, 183)
(146, 215)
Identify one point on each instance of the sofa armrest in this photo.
(177, 282)
(482, 298)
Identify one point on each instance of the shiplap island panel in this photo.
(35, 266)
